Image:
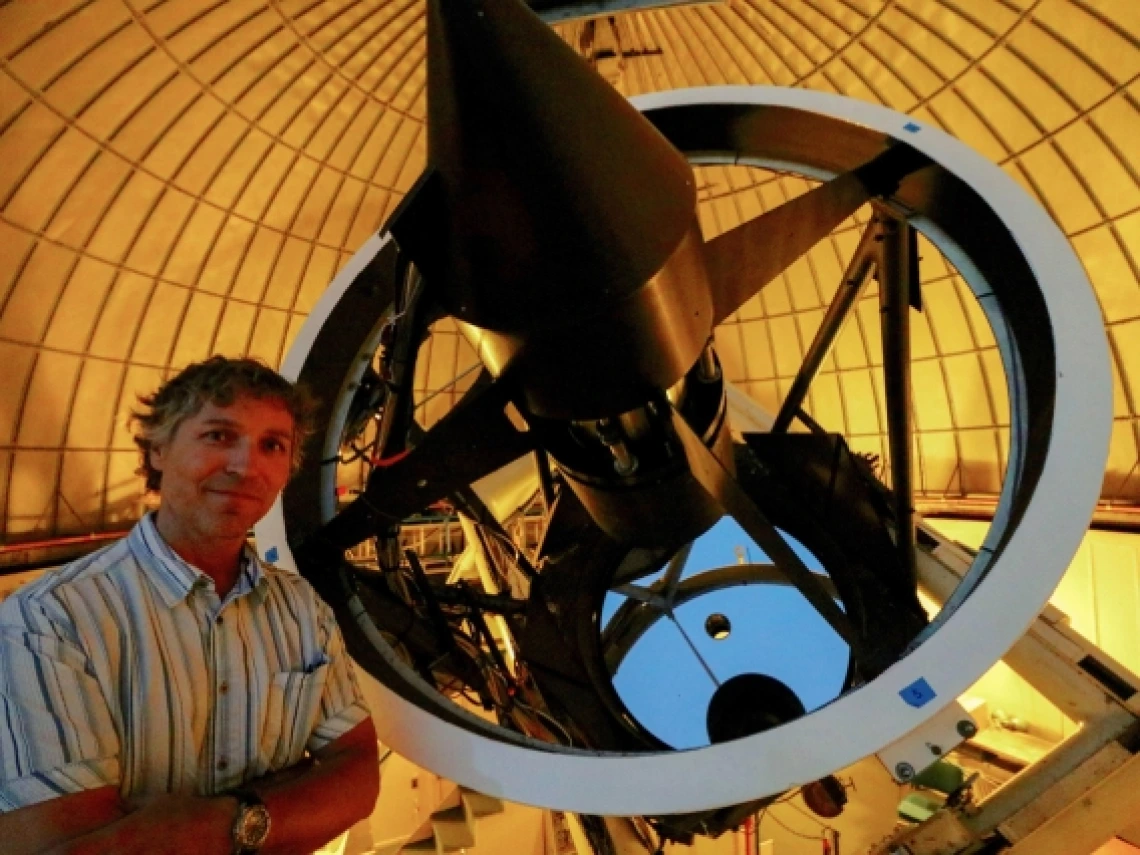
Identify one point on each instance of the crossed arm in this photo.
(309, 804)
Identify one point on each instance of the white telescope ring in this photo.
(973, 637)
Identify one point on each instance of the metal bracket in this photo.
(907, 757)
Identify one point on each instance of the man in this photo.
(171, 693)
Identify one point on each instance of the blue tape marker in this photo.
(271, 554)
(913, 127)
(918, 694)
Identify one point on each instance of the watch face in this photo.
(253, 827)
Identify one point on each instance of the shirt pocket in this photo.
(291, 711)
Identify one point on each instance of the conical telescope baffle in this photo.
(567, 223)
(557, 194)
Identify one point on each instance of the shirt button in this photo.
(219, 620)
(223, 688)
(223, 764)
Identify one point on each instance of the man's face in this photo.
(224, 466)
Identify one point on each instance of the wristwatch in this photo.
(252, 824)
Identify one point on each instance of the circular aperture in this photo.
(1059, 385)
(749, 704)
(674, 666)
(718, 627)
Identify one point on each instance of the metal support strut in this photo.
(855, 279)
(897, 282)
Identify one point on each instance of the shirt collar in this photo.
(175, 578)
(253, 579)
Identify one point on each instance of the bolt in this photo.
(624, 464)
(967, 729)
(904, 772)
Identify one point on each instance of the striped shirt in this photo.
(125, 668)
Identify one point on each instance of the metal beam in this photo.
(722, 486)
(1085, 824)
(897, 281)
(855, 279)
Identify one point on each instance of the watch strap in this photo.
(247, 797)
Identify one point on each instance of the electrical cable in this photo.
(807, 815)
(795, 833)
(549, 719)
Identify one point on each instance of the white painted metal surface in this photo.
(975, 636)
(928, 743)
